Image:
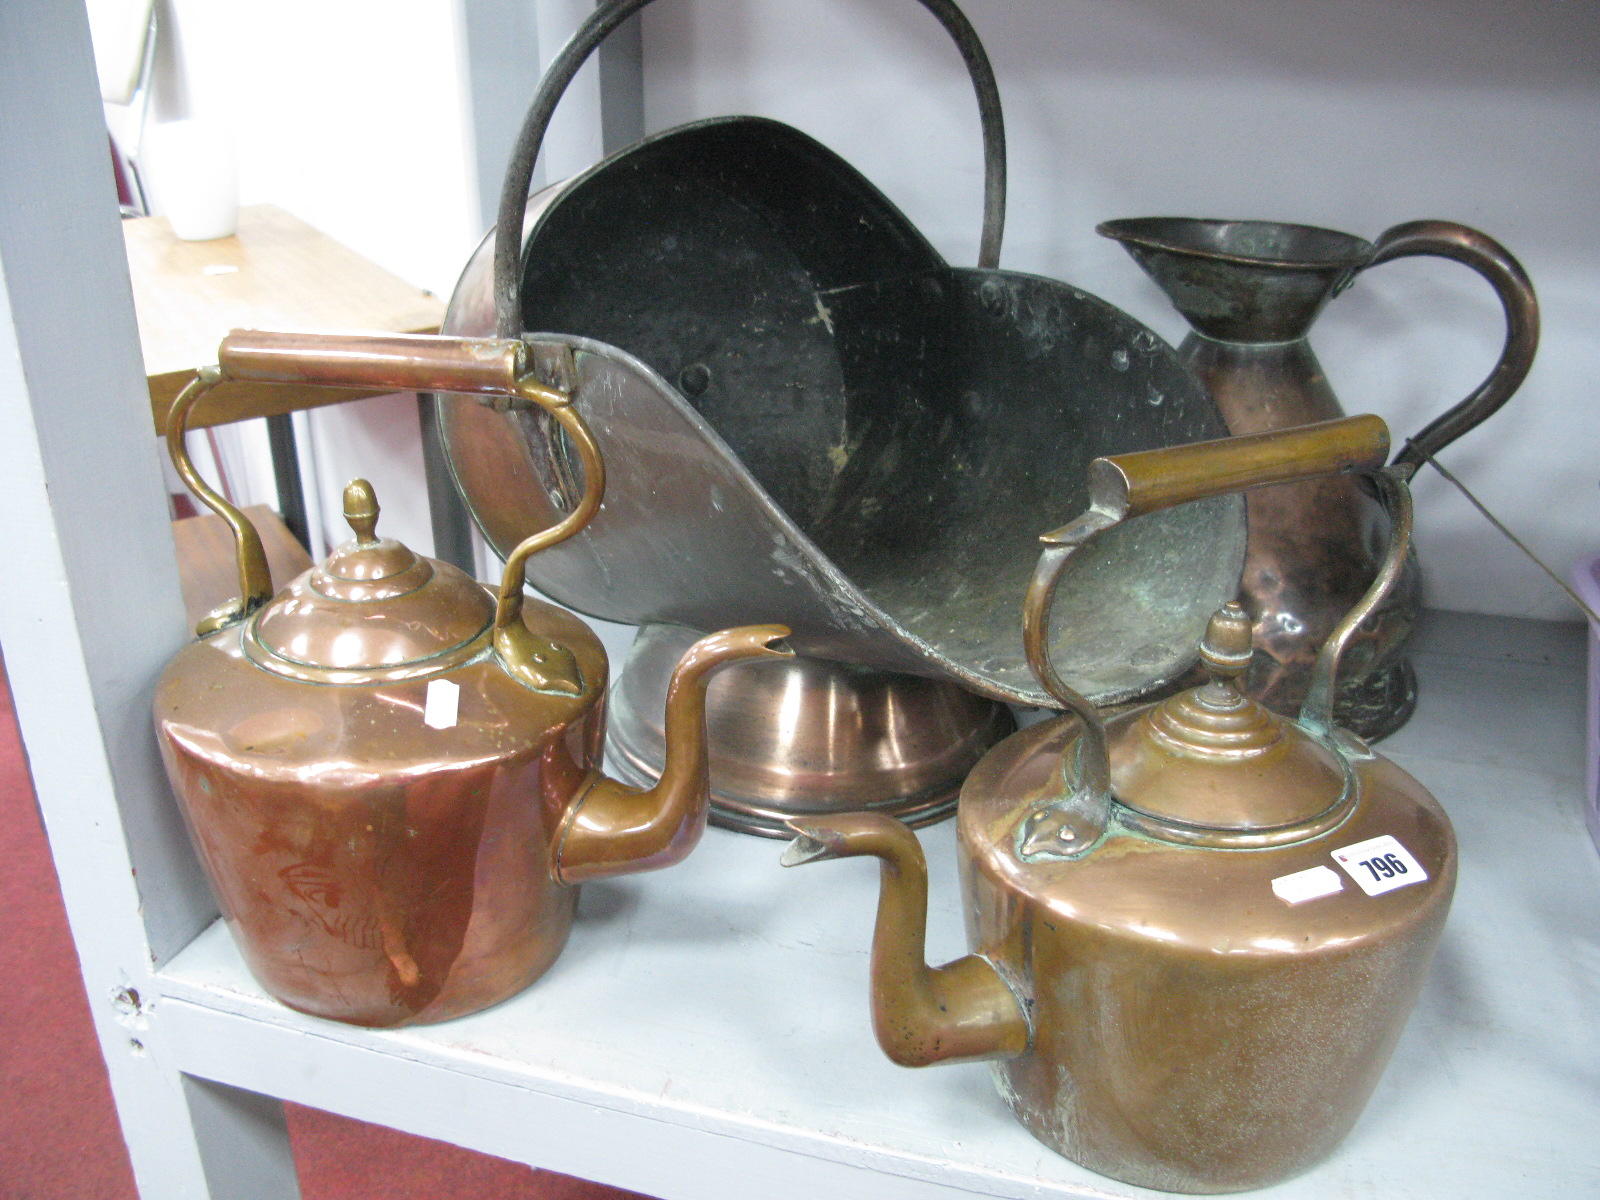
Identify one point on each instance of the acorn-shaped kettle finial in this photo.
(361, 510)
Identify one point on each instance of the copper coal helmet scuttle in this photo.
(1199, 926)
(390, 772)
(837, 429)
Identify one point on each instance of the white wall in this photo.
(355, 118)
(1352, 115)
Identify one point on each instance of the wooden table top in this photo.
(276, 272)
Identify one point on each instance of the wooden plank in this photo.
(275, 272)
(241, 401)
(208, 563)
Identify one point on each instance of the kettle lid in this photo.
(1212, 758)
(373, 610)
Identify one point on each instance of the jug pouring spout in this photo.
(614, 829)
(960, 1012)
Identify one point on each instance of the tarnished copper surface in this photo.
(1187, 1030)
(1195, 1022)
(1192, 1032)
(651, 553)
(611, 828)
(1251, 290)
(534, 660)
(1314, 546)
(373, 869)
(961, 1011)
(870, 476)
(377, 766)
(372, 607)
(805, 736)
(1135, 486)
(1132, 485)
(403, 361)
(1211, 757)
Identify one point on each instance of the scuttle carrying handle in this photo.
(1131, 485)
(402, 362)
(599, 25)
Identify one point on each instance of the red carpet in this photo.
(59, 1138)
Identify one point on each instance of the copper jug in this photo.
(390, 772)
(1198, 926)
(1251, 290)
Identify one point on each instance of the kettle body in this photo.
(1193, 1031)
(375, 868)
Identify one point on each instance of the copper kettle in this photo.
(390, 772)
(1198, 926)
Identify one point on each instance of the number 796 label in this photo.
(1380, 865)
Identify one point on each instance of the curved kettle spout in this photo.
(614, 829)
(958, 1012)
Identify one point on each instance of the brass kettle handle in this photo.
(1511, 284)
(402, 362)
(1130, 485)
(597, 27)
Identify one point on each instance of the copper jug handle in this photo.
(1131, 485)
(1511, 284)
(597, 27)
(401, 362)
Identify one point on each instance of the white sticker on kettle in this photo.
(1380, 865)
(440, 707)
(1307, 885)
